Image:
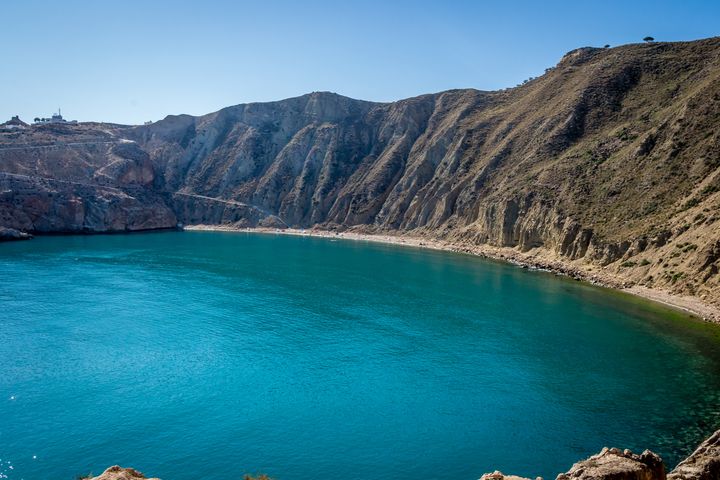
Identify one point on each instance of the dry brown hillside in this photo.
(609, 161)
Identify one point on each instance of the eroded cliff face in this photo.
(74, 179)
(611, 158)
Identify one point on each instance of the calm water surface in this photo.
(190, 355)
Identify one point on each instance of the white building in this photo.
(56, 118)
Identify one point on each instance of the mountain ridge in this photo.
(610, 161)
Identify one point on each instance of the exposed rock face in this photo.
(703, 464)
(119, 473)
(612, 158)
(609, 464)
(78, 178)
(613, 464)
(42, 205)
(498, 475)
(7, 234)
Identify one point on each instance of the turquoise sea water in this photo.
(208, 355)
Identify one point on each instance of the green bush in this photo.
(692, 203)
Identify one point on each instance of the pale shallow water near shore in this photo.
(201, 354)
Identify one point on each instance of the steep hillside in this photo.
(78, 178)
(609, 161)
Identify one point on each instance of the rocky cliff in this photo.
(610, 160)
(78, 178)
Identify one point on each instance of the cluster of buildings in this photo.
(56, 118)
(16, 124)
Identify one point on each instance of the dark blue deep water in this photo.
(209, 355)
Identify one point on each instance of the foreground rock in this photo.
(613, 464)
(609, 464)
(119, 473)
(9, 234)
(497, 475)
(703, 464)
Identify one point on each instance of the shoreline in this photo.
(535, 260)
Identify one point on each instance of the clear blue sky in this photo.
(131, 61)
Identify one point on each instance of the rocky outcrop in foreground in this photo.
(609, 464)
(615, 464)
(118, 473)
(703, 464)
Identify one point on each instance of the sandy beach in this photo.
(537, 259)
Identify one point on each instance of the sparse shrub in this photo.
(693, 202)
(709, 189)
(689, 247)
(644, 262)
(628, 263)
(649, 208)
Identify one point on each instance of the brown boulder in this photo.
(614, 464)
(118, 473)
(497, 475)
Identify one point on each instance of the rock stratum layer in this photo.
(609, 161)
